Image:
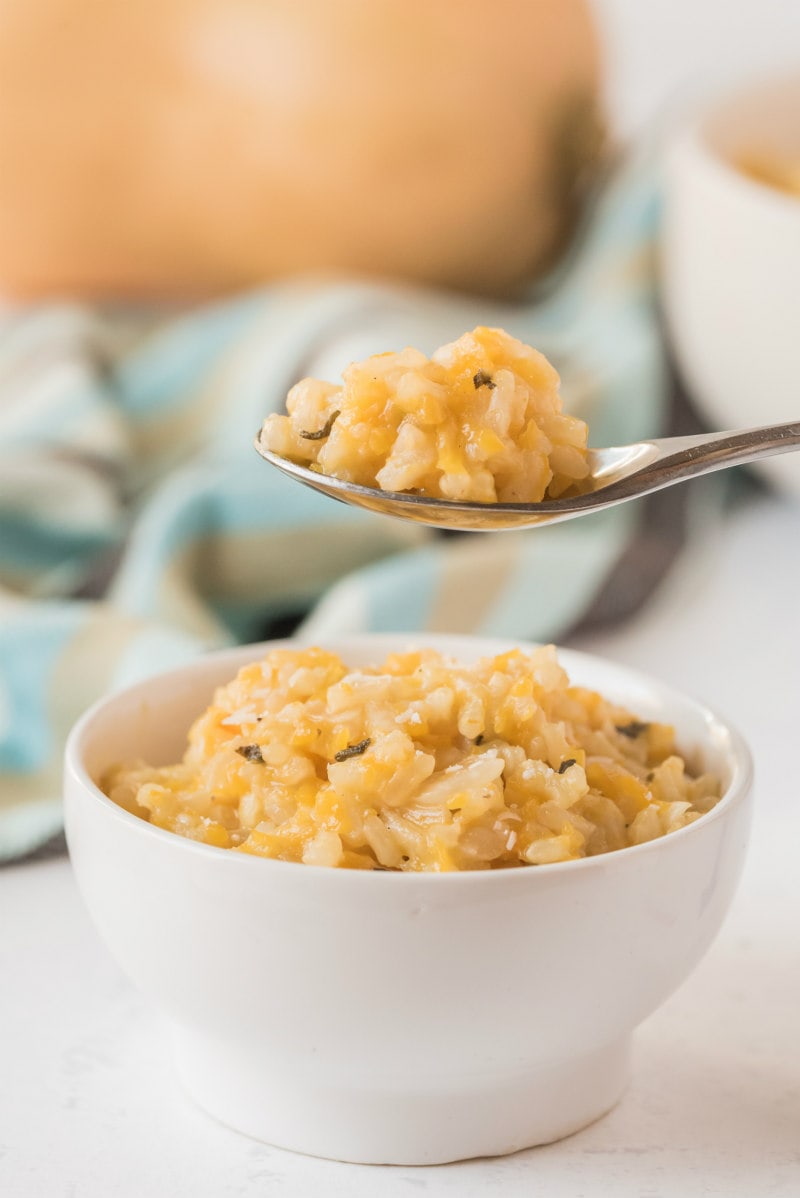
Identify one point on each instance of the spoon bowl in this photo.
(616, 474)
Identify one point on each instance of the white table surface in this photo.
(89, 1107)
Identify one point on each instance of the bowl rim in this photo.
(738, 752)
(696, 137)
(761, 194)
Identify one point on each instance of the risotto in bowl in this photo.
(404, 899)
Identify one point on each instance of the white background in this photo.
(663, 54)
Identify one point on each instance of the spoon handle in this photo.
(687, 457)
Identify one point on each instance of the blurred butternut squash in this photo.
(185, 147)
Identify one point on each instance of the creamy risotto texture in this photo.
(417, 763)
(481, 420)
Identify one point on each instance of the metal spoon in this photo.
(617, 474)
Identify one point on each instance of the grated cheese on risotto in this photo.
(419, 763)
(481, 420)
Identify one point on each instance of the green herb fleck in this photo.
(323, 432)
(482, 379)
(565, 765)
(353, 750)
(251, 753)
(633, 729)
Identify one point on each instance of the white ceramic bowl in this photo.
(731, 265)
(406, 1018)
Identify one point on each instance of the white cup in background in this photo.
(731, 264)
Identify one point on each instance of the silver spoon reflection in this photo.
(616, 474)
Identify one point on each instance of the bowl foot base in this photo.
(399, 1126)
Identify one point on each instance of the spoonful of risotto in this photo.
(474, 439)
